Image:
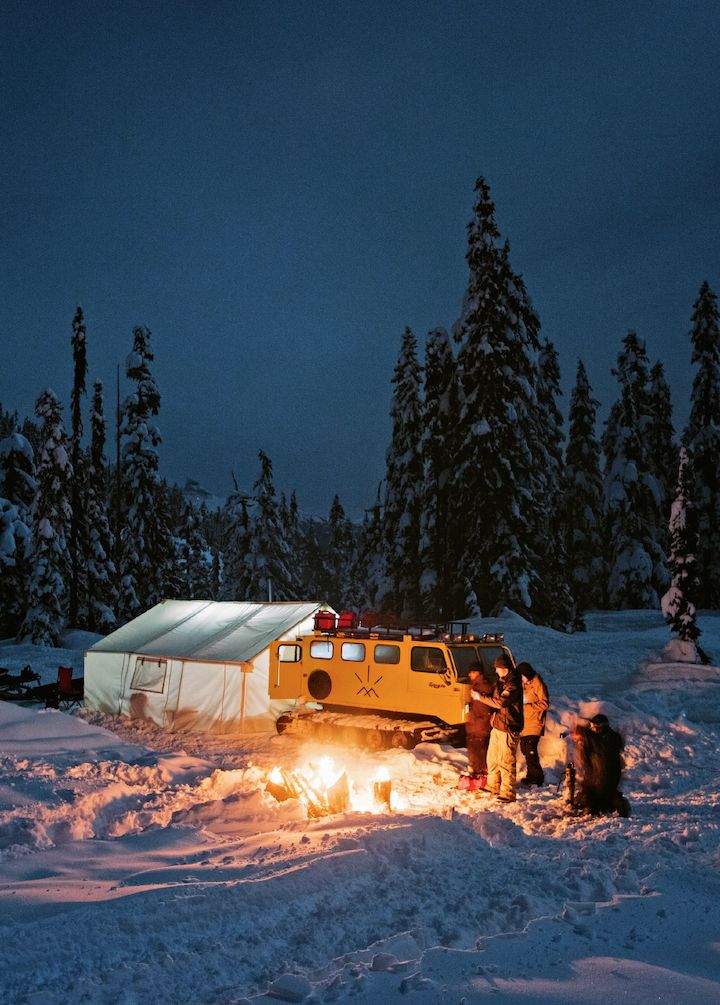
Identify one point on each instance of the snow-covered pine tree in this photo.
(338, 557)
(702, 438)
(441, 582)
(167, 543)
(661, 435)
(404, 486)
(145, 538)
(553, 603)
(271, 568)
(100, 571)
(678, 604)
(631, 499)
(46, 614)
(367, 583)
(627, 458)
(236, 547)
(78, 597)
(17, 487)
(497, 474)
(582, 506)
(196, 558)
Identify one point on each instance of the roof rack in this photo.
(374, 625)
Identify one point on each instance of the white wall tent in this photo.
(194, 664)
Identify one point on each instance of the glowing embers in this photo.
(324, 789)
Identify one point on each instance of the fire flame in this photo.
(323, 787)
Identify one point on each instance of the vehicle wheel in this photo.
(319, 685)
(400, 740)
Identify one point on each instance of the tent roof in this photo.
(206, 629)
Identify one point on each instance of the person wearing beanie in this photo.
(478, 727)
(599, 749)
(535, 709)
(507, 725)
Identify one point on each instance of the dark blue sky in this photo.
(276, 189)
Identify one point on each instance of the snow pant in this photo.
(477, 746)
(501, 758)
(529, 748)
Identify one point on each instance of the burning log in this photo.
(382, 788)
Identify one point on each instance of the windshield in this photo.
(466, 656)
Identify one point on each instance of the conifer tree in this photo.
(554, 603)
(236, 549)
(17, 487)
(633, 495)
(270, 565)
(702, 438)
(196, 558)
(442, 584)
(100, 571)
(661, 436)
(78, 591)
(339, 557)
(46, 615)
(404, 485)
(678, 604)
(367, 583)
(582, 505)
(497, 476)
(145, 537)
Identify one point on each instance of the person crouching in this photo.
(599, 749)
(477, 727)
(535, 708)
(507, 724)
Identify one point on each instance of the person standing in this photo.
(477, 727)
(507, 724)
(535, 708)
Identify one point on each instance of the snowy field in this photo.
(137, 865)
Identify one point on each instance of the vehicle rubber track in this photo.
(371, 732)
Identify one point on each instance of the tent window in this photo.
(149, 675)
(321, 650)
(289, 654)
(353, 651)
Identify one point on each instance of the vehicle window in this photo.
(149, 675)
(489, 654)
(387, 654)
(427, 659)
(289, 654)
(464, 657)
(321, 650)
(353, 651)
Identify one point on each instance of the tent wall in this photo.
(104, 681)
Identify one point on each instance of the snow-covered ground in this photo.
(137, 865)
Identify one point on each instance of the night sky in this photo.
(277, 189)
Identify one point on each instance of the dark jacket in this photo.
(479, 714)
(507, 700)
(601, 764)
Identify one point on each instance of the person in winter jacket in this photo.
(507, 724)
(477, 727)
(600, 763)
(535, 707)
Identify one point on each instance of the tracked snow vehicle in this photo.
(379, 685)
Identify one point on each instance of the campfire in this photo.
(324, 789)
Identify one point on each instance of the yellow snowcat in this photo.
(375, 686)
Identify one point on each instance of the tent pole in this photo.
(242, 701)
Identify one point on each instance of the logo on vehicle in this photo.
(367, 688)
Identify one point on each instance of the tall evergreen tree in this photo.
(554, 603)
(100, 571)
(582, 506)
(78, 592)
(196, 557)
(17, 487)
(661, 436)
(497, 476)
(339, 557)
(631, 484)
(702, 438)
(46, 615)
(678, 604)
(367, 583)
(442, 583)
(271, 567)
(404, 485)
(145, 537)
(236, 547)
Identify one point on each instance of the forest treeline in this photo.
(489, 498)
